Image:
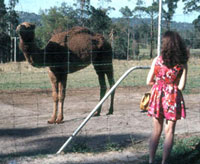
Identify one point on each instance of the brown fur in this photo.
(68, 52)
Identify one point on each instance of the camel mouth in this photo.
(18, 29)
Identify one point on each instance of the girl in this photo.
(168, 77)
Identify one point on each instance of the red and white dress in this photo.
(166, 99)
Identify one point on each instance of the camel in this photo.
(67, 52)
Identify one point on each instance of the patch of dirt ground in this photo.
(26, 138)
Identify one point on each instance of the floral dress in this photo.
(166, 99)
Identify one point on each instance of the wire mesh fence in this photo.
(26, 105)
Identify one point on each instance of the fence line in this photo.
(99, 104)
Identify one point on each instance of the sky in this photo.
(36, 5)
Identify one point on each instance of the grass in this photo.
(193, 85)
(195, 52)
(15, 76)
(186, 150)
(23, 76)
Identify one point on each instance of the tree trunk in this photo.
(128, 45)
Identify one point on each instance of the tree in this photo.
(127, 14)
(99, 20)
(83, 3)
(151, 11)
(196, 23)
(4, 47)
(56, 19)
(12, 17)
(168, 14)
(8, 20)
(190, 6)
(3, 12)
(83, 7)
(120, 40)
(136, 43)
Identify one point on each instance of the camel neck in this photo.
(34, 55)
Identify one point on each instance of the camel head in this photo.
(26, 31)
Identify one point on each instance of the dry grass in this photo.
(24, 76)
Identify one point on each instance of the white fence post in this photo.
(13, 49)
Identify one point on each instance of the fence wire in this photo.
(26, 105)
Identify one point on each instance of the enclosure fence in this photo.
(26, 100)
(26, 104)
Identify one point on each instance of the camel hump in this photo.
(82, 30)
(79, 30)
(63, 37)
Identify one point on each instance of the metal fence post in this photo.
(99, 104)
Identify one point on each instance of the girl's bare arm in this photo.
(150, 76)
(183, 78)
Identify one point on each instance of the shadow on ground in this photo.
(45, 145)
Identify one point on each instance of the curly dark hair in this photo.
(174, 50)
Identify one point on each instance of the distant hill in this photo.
(35, 18)
(29, 17)
(179, 26)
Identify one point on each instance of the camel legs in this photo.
(103, 88)
(111, 83)
(61, 97)
(58, 82)
(102, 83)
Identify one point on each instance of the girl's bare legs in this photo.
(169, 137)
(155, 137)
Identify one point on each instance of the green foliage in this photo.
(80, 147)
(120, 40)
(168, 14)
(8, 22)
(3, 13)
(111, 146)
(150, 11)
(99, 21)
(126, 12)
(4, 47)
(196, 23)
(191, 5)
(58, 19)
(54, 20)
(185, 150)
(12, 17)
(127, 35)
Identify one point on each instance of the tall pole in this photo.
(159, 27)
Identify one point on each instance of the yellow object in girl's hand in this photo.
(145, 101)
